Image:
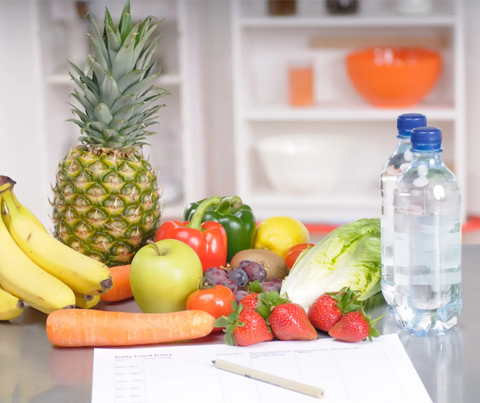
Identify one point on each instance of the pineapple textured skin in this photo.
(106, 203)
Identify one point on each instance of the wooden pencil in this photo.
(269, 378)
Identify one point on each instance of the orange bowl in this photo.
(394, 77)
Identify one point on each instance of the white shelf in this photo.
(349, 21)
(65, 79)
(344, 200)
(260, 43)
(346, 113)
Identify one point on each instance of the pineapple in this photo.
(106, 198)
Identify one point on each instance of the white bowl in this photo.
(305, 163)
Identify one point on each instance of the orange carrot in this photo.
(81, 327)
(121, 285)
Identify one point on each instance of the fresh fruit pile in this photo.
(217, 264)
(38, 269)
(264, 316)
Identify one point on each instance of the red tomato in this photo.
(294, 252)
(215, 301)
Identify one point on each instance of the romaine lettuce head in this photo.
(350, 256)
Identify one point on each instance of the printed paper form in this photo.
(378, 372)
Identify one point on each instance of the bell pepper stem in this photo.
(228, 204)
(196, 221)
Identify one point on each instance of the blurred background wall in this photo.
(227, 66)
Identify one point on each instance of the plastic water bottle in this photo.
(398, 162)
(427, 240)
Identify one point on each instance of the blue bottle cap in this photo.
(426, 139)
(409, 121)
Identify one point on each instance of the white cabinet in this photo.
(264, 45)
(177, 149)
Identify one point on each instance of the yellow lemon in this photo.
(279, 234)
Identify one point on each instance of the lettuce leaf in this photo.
(350, 256)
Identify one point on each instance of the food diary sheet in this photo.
(365, 372)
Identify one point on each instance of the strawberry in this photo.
(324, 313)
(290, 322)
(355, 326)
(250, 301)
(329, 308)
(244, 327)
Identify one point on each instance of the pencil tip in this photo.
(213, 362)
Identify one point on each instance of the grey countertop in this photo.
(32, 370)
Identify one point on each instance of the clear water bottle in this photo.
(398, 162)
(427, 240)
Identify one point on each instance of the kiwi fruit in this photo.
(274, 264)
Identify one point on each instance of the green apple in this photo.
(163, 274)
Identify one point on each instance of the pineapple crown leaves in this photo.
(115, 85)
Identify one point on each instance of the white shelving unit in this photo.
(354, 113)
(177, 148)
(262, 47)
(369, 21)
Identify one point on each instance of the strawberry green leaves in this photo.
(269, 300)
(346, 300)
(256, 286)
(244, 327)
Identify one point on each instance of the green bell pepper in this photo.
(237, 219)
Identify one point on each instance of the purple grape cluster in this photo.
(254, 270)
(230, 284)
(238, 276)
(215, 275)
(271, 286)
(239, 295)
(236, 279)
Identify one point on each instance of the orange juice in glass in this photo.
(301, 84)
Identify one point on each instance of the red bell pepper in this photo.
(208, 240)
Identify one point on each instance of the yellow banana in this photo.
(81, 273)
(21, 209)
(24, 279)
(5, 217)
(86, 301)
(10, 307)
(26, 212)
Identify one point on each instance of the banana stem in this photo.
(5, 217)
(15, 200)
(6, 183)
(8, 199)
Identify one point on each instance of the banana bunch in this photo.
(37, 269)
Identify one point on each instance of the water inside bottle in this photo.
(395, 165)
(427, 243)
